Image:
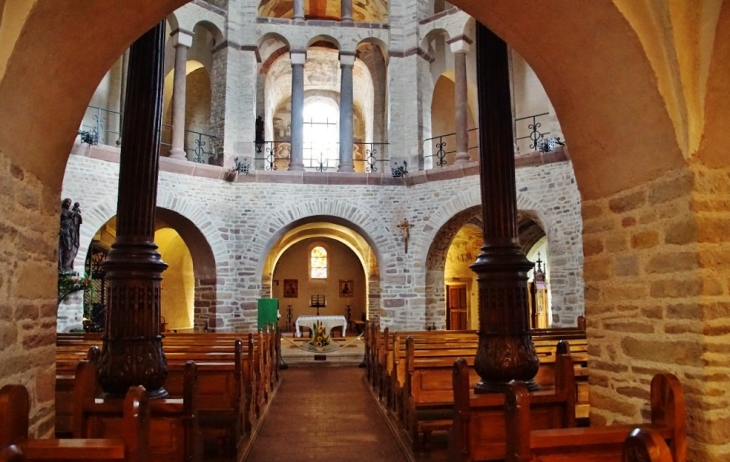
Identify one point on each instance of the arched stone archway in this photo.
(623, 142)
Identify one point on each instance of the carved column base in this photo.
(132, 351)
(126, 362)
(505, 350)
(502, 359)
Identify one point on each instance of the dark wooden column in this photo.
(505, 351)
(132, 351)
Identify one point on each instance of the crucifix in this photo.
(406, 230)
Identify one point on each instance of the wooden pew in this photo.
(645, 445)
(132, 445)
(258, 377)
(174, 433)
(478, 432)
(396, 369)
(594, 444)
(219, 392)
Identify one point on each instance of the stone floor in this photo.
(324, 411)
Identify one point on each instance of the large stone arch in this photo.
(338, 211)
(194, 226)
(321, 227)
(341, 212)
(606, 140)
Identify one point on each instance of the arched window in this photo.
(321, 133)
(318, 263)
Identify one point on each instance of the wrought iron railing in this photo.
(528, 131)
(321, 157)
(440, 149)
(101, 126)
(528, 138)
(371, 157)
(199, 147)
(274, 155)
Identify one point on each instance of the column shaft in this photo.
(346, 8)
(123, 92)
(460, 108)
(346, 137)
(297, 108)
(505, 350)
(132, 348)
(178, 103)
(298, 10)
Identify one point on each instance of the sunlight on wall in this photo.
(178, 282)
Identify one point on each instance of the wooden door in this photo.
(456, 307)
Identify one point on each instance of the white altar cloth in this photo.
(327, 321)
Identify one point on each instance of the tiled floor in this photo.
(324, 411)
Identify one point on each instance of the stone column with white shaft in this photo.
(298, 58)
(181, 41)
(347, 61)
(460, 48)
(346, 8)
(298, 10)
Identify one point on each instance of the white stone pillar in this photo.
(233, 102)
(460, 48)
(347, 61)
(298, 59)
(346, 11)
(410, 113)
(181, 41)
(123, 92)
(299, 10)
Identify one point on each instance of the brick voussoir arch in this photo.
(102, 212)
(371, 227)
(458, 204)
(426, 232)
(204, 221)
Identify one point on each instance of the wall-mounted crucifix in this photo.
(405, 228)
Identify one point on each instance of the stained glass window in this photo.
(318, 263)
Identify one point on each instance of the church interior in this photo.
(339, 157)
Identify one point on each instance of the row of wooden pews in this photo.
(412, 373)
(132, 444)
(216, 406)
(523, 426)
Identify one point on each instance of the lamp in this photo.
(241, 166)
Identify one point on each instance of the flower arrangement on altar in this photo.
(320, 338)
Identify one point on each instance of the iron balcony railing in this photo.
(528, 138)
(199, 147)
(321, 157)
(101, 126)
(441, 151)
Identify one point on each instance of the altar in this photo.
(327, 321)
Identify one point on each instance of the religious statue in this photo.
(68, 236)
(259, 129)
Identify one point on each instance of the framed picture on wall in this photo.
(291, 288)
(346, 288)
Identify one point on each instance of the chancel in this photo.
(463, 142)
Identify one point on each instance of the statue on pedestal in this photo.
(68, 236)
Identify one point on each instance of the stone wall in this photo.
(656, 301)
(241, 222)
(29, 225)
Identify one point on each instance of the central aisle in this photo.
(324, 411)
